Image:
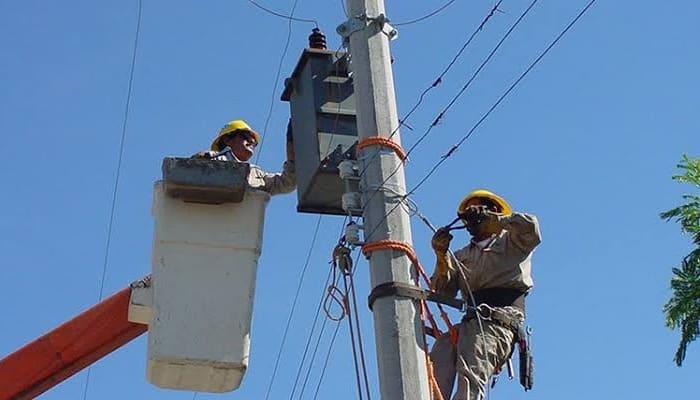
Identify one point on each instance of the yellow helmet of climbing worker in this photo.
(232, 128)
(485, 194)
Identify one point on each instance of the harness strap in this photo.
(410, 291)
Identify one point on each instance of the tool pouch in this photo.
(526, 363)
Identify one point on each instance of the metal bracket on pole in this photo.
(360, 22)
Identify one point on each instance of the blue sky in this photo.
(588, 142)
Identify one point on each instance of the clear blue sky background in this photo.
(588, 142)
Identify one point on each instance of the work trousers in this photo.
(473, 360)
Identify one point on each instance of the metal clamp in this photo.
(360, 22)
(485, 311)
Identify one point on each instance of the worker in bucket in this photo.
(237, 141)
(495, 268)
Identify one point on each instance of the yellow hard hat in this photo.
(231, 128)
(485, 194)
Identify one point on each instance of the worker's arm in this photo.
(523, 229)
(443, 280)
(283, 182)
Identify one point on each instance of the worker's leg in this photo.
(444, 357)
(479, 355)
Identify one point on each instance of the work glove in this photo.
(441, 240)
(290, 142)
(201, 154)
(441, 279)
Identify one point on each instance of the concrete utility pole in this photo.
(397, 325)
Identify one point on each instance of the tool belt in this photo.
(498, 297)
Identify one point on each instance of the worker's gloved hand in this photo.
(290, 142)
(441, 240)
(201, 154)
(440, 279)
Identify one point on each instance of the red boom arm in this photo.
(65, 351)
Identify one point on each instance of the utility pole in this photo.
(397, 324)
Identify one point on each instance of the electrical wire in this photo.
(118, 172)
(287, 17)
(293, 308)
(427, 16)
(454, 99)
(277, 79)
(471, 131)
(437, 81)
(332, 342)
(313, 326)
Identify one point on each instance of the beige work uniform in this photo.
(273, 183)
(503, 262)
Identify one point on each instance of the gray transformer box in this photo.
(322, 105)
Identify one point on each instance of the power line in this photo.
(503, 96)
(454, 99)
(332, 342)
(471, 131)
(423, 18)
(277, 79)
(313, 325)
(288, 17)
(118, 172)
(293, 308)
(437, 81)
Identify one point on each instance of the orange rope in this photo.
(381, 141)
(424, 311)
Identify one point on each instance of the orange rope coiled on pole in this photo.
(424, 311)
(381, 141)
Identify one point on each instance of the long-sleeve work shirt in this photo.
(503, 262)
(273, 183)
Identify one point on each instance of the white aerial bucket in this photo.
(204, 266)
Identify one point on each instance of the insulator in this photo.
(352, 233)
(346, 169)
(317, 40)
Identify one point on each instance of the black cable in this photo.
(423, 18)
(346, 301)
(277, 79)
(293, 308)
(359, 334)
(118, 173)
(440, 77)
(328, 356)
(288, 17)
(454, 99)
(490, 110)
(503, 96)
(330, 347)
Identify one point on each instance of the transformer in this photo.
(323, 125)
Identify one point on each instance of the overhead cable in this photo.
(330, 346)
(437, 81)
(471, 131)
(118, 171)
(288, 17)
(277, 79)
(423, 18)
(454, 99)
(313, 325)
(294, 303)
